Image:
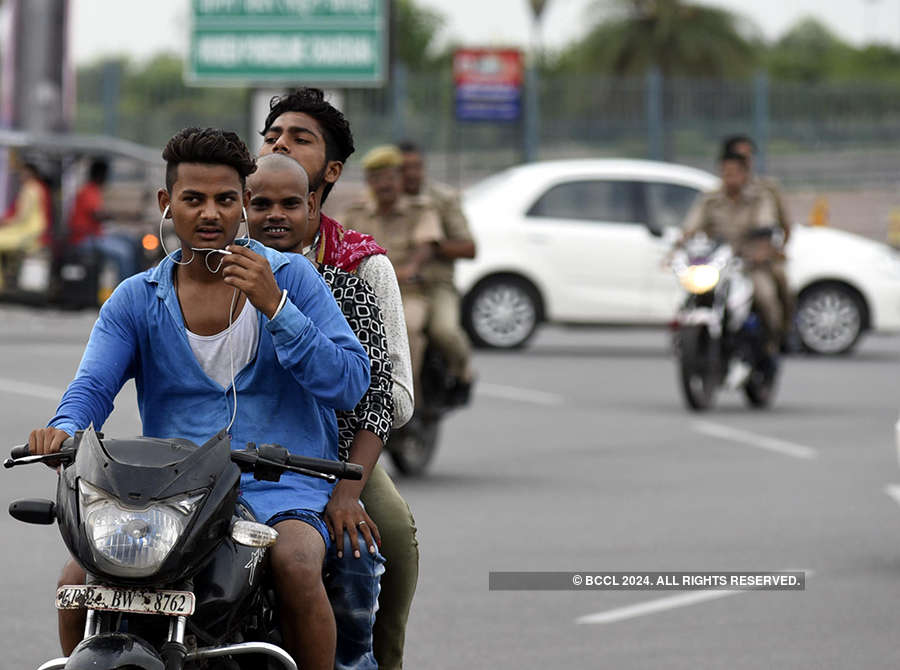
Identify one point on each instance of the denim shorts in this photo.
(307, 516)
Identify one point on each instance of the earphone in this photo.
(208, 252)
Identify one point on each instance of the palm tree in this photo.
(668, 37)
(673, 36)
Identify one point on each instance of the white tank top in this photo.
(212, 351)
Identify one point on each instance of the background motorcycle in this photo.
(720, 339)
(176, 570)
(412, 447)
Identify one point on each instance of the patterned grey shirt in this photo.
(375, 412)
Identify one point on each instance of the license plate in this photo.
(139, 601)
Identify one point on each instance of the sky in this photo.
(140, 29)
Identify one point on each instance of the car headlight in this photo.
(699, 278)
(133, 542)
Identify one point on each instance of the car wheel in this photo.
(502, 313)
(829, 319)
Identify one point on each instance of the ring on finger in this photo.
(361, 523)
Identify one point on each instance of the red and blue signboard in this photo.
(488, 84)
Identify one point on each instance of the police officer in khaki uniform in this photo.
(746, 147)
(443, 325)
(733, 213)
(409, 230)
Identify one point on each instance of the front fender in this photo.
(111, 651)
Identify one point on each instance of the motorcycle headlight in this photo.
(133, 542)
(699, 278)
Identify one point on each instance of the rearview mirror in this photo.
(34, 510)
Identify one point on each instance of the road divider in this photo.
(16, 387)
(765, 442)
(518, 394)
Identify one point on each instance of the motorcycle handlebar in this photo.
(312, 466)
(337, 468)
(20, 451)
(21, 455)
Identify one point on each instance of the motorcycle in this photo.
(175, 562)
(412, 446)
(720, 339)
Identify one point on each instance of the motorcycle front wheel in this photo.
(760, 387)
(697, 368)
(412, 447)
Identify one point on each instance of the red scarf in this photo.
(344, 249)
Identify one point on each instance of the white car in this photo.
(583, 242)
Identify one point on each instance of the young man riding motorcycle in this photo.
(305, 127)
(202, 321)
(734, 213)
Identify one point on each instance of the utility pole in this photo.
(38, 87)
(532, 119)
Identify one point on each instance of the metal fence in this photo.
(810, 135)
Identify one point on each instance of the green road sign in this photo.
(328, 42)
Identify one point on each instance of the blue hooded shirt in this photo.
(308, 363)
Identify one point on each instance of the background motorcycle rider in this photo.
(731, 213)
(304, 126)
(443, 326)
(410, 230)
(278, 217)
(170, 328)
(746, 147)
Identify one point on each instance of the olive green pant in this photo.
(444, 330)
(400, 549)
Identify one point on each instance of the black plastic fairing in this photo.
(182, 468)
(141, 470)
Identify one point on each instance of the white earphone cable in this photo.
(231, 357)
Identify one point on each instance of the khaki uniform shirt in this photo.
(453, 225)
(774, 190)
(720, 217)
(409, 225)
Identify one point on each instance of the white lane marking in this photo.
(782, 447)
(519, 394)
(664, 604)
(893, 490)
(16, 387)
(654, 606)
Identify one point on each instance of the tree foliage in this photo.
(415, 31)
(153, 102)
(677, 37)
(810, 52)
